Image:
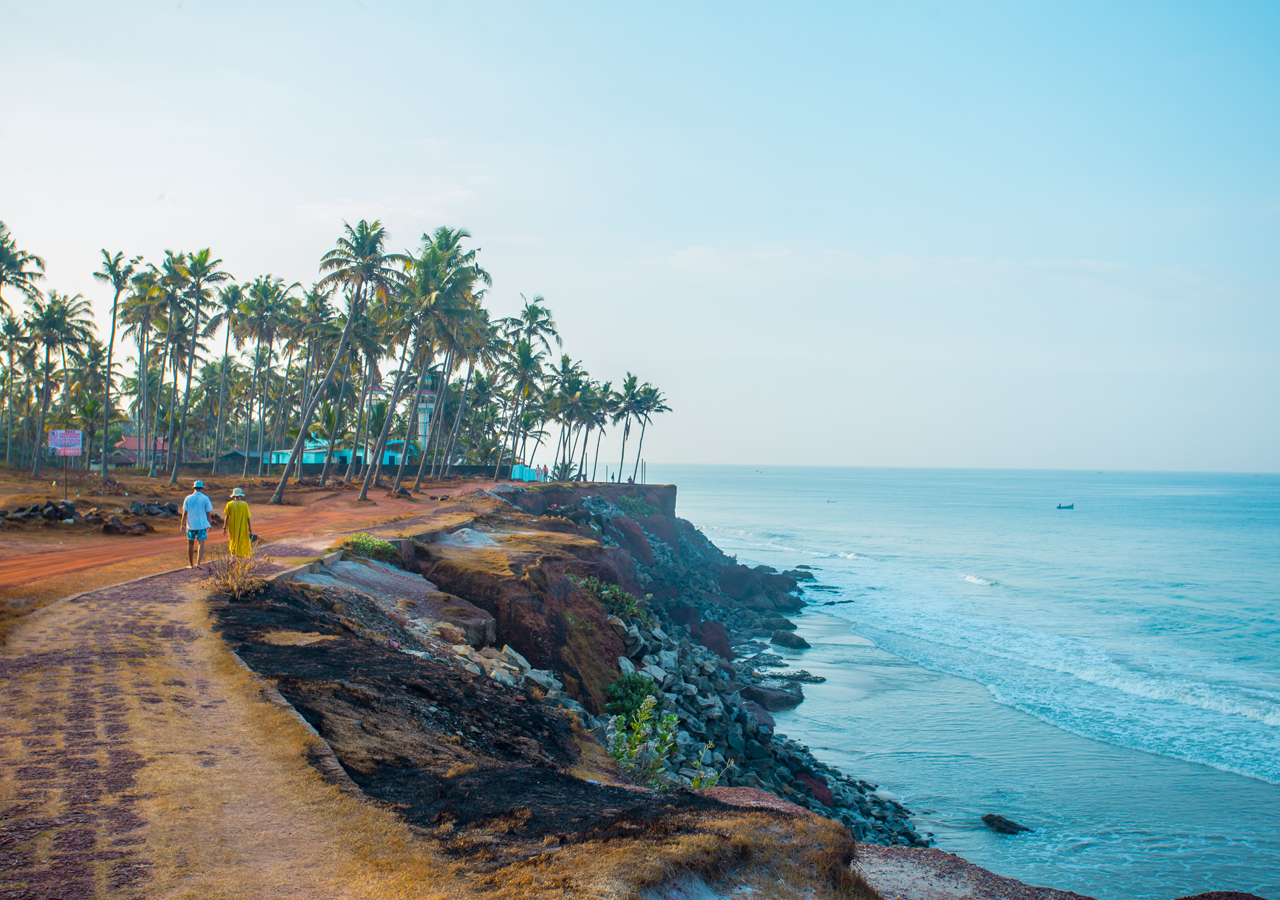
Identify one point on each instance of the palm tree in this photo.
(603, 406)
(144, 305)
(650, 403)
(57, 321)
(625, 411)
(524, 367)
(116, 272)
(534, 323)
(397, 323)
(16, 341)
(18, 269)
(360, 265)
(442, 290)
(229, 300)
(260, 314)
(202, 273)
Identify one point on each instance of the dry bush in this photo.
(237, 576)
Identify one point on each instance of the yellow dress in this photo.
(236, 516)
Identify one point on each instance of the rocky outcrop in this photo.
(700, 637)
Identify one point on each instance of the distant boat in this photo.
(1066, 506)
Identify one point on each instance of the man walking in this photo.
(195, 519)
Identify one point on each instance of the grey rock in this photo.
(1003, 825)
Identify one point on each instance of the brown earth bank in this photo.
(428, 725)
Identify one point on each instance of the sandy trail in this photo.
(137, 758)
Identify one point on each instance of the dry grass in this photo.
(296, 638)
(238, 576)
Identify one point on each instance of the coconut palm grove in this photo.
(387, 369)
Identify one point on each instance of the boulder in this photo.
(771, 698)
(715, 638)
(778, 624)
(1003, 825)
(816, 784)
(789, 640)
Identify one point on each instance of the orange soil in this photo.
(32, 556)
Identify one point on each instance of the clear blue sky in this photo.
(1023, 235)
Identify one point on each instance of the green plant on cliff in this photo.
(634, 507)
(643, 746)
(615, 600)
(368, 546)
(703, 777)
(628, 693)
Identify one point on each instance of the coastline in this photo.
(486, 756)
(1111, 819)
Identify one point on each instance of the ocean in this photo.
(1107, 675)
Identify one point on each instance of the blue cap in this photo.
(199, 484)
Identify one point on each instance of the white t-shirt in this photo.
(198, 507)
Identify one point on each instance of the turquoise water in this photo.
(1109, 675)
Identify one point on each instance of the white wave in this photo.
(974, 579)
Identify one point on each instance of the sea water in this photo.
(1108, 675)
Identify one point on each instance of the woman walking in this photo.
(235, 524)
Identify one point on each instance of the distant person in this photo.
(630, 480)
(195, 520)
(236, 525)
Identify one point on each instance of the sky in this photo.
(992, 235)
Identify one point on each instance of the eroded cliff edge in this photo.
(465, 687)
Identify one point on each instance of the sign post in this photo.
(65, 442)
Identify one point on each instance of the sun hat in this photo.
(199, 484)
(236, 492)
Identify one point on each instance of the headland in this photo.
(422, 713)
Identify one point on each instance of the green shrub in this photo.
(628, 693)
(615, 600)
(705, 778)
(368, 546)
(643, 746)
(634, 507)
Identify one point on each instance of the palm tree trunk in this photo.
(186, 397)
(248, 413)
(305, 417)
(415, 400)
(155, 431)
(435, 428)
(360, 418)
(222, 394)
(582, 465)
(643, 423)
(333, 435)
(386, 423)
(44, 406)
(595, 464)
(143, 406)
(626, 430)
(106, 387)
(173, 419)
(447, 459)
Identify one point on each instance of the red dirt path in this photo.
(326, 513)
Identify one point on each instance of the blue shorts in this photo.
(197, 534)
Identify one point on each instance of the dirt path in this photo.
(119, 711)
(325, 513)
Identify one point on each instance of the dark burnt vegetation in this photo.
(472, 763)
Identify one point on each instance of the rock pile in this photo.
(704, 649)
(713, 705)
(52, 513)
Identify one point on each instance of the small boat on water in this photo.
(1066, 506)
